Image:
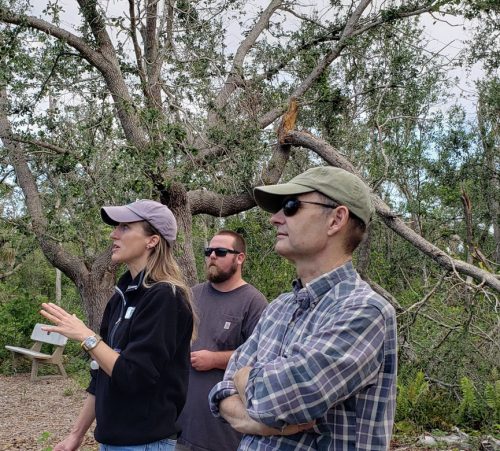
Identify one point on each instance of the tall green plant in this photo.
(469, 412)
(492, 397)
(411, 398)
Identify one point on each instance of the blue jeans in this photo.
(161, 445)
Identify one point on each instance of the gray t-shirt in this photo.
(226, 320)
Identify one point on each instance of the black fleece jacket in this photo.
(151, 329)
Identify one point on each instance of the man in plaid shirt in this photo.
(319, 370)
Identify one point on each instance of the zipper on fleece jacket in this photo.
(124, 304)
(119, 320)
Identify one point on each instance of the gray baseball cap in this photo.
(339, 185)
(157, 214)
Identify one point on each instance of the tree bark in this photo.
(176, 197)
(97, 287)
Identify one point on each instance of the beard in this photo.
(216, 275)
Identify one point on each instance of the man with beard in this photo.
(228, 309)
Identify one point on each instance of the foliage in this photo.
(469, 410)
(383, 103)
(43, 439)
(480, 407)
(421, 406)
(425, 406)
(492, 398)
(409, 397)
(18, 315)
(20, 299)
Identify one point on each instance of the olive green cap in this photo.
(339, 185)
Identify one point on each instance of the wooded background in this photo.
(194, 103)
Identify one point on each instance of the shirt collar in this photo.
(126, 283)
(313, 292)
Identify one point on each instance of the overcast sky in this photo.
(447, 35)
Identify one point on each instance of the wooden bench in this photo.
(37, 357)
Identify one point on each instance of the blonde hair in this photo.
(162, 267)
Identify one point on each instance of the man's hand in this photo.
(203, 360)
(291, 429)
(233, 411)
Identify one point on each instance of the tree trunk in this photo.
(363, 253)
(95, 293)
(175, 197)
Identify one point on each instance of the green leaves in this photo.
(492, 397)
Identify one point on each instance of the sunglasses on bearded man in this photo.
(219, 251)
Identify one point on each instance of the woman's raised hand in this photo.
(64, 323)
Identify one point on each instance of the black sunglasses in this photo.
(291, 206)
(219, 251)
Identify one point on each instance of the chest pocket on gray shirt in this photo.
(228, 335)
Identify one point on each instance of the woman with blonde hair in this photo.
(140, 359)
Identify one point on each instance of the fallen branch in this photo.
(391, 219)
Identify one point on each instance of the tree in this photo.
(489, 134)
(168, 110)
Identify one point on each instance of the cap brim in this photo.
(270, 198)
(115, 215)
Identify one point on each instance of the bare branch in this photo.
(153, 60)
(39, 24)
(135, 41)
(4, 275)
(303, 17)
(281, 154)
(218, 205)
(439, 19)
(236, 72)
(418, 305)
(43, 144)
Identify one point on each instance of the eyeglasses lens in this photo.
(219, 251)
(290, 207)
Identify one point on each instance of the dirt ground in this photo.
(34, 416)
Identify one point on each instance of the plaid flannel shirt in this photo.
(324, 352)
